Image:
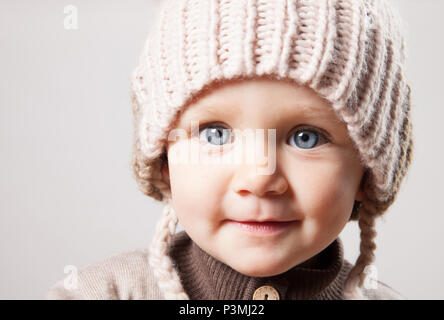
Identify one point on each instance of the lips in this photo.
(262, 227)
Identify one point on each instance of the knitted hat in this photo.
(351, 52)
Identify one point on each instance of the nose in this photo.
(251, 177)
(248, 180)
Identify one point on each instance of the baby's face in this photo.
(308, 182)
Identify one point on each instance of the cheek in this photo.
(325, 191)
(197, 191)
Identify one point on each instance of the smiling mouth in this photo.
(263, 227)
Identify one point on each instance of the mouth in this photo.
(263, 227)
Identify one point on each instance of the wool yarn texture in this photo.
(351, 52)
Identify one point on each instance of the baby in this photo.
(263, 127)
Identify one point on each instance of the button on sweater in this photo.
(127, 275)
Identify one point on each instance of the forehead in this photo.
(269, 97)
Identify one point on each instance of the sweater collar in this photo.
(206, 278)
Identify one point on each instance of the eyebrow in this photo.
(211, 108)
(208, 110)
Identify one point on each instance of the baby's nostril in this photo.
(266, 296)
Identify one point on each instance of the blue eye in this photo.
(306, 139)
(216, 135)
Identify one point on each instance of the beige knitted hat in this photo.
(351, 52)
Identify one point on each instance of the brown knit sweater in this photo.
(128, 275)
(204, 277)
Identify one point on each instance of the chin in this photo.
(263, 271)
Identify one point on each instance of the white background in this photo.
(66, 187)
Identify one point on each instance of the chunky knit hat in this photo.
(350, 52)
